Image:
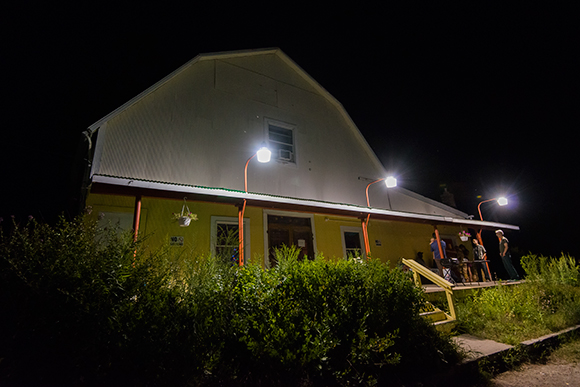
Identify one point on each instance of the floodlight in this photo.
(502, 201)
(391, 182)
(264, 155)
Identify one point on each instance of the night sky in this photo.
(483, 100)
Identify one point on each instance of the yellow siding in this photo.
(405, 240)
(328, 236)
(397, 239)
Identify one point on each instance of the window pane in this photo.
(280, 134)
(352, 240)
(281, 142)
(227, 242)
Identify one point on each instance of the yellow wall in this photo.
(405, 239)
(158, 225)
(397, 239)
(328, 237)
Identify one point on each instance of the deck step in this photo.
(436, 315)
(441, 320)
(445, 326)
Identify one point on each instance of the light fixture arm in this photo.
(365, 222)
(242, 208)
(479, 207)
(246, 173)
(367, 190)
(480, 230)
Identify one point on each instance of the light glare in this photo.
(502, 201)
(264, 155)
(391, 182)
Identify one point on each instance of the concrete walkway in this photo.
(477, 348)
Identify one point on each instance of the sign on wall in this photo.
(176, 241)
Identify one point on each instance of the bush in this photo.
(86, 304)
(548, 270)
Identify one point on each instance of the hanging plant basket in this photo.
(184, 221)
(464, 236)
(184, 217)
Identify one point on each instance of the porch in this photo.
(467, 287)
(441, 292)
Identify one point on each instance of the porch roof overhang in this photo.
(134, 187)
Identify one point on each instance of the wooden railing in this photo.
(447, 286)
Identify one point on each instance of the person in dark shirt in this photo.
(437, 255)
(479, 252)
(506, 257)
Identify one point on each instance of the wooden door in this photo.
(290, 231)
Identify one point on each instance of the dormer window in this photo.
(281, 141)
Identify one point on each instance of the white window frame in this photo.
(283, 125)
(122, 220)
(215, 220)
(121, 217)
(352, 229)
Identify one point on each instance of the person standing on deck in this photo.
(506, 257)
(479, 253)
(437, 255)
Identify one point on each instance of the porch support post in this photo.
(136, 217)
(241, 210)
(438, 242)
(485, 254)
(365, 224)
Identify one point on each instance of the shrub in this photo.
(84, 303)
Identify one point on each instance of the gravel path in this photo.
(552, 374)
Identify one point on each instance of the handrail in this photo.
(436, 279)
(419, 269)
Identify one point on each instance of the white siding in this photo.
(201, 126)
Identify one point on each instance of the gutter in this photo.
(87, 161)
(266, 200)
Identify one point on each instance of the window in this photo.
(281, 141)
(227, 242)
(224, 238)
(352, 242)
(121, 221)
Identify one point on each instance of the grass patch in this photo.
(568, 352)
(547, 302)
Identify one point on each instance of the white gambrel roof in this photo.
(164, 175)
(236, 54)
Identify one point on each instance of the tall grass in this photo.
(548, 301)
(547, 271)
(86, 305)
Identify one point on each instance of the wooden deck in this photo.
(469, 286)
